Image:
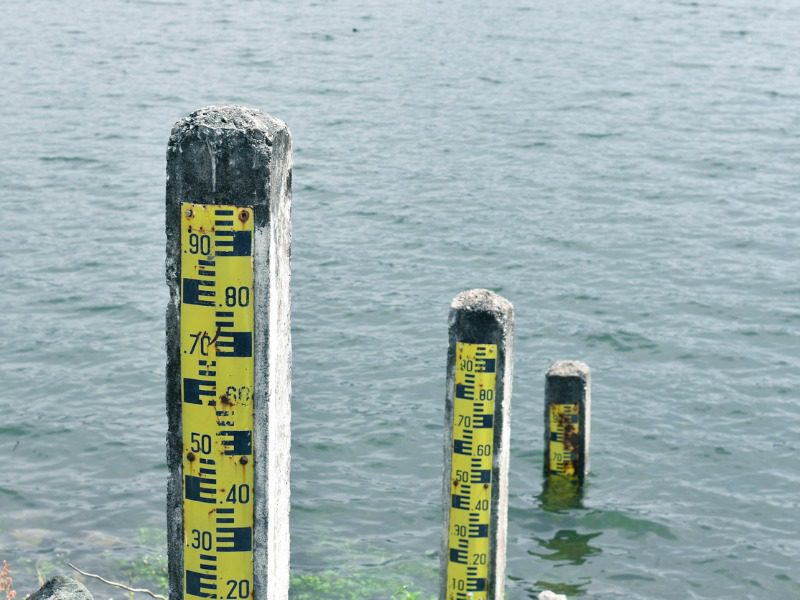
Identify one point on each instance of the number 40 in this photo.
(239, 494)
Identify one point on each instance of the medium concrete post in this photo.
(567, 420)
(228, 200)
(476, 450)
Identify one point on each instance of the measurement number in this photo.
(201, 443)
(238, 589)
(201, 342)
(199, 244)
(201, 539)
(239, 494)
(242, 395)
(237, 296)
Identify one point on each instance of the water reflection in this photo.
(568, 546)
(561, 493)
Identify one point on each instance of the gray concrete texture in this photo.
(482, 317)
(237, 155)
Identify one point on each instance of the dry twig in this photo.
(119, 585)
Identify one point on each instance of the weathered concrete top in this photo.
(217, 121)
(569, 368)
(484, 301)
(222, 154)
(481, 316)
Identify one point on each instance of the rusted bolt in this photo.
(455, 483)
(189, 213)
(225, 399)
(486, 486)
(190, 456)
(243, 215)
(243, 460)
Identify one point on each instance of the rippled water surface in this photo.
(624, 172)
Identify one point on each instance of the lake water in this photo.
(624, 172)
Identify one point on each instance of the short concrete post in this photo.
(567, 421)
(477, 425)
(228, 355)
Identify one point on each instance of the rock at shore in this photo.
(62, 588)
(548, 595)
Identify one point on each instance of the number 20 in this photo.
(238, 589)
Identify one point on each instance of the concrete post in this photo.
(228, 207)
(567, 421)
(476, 450)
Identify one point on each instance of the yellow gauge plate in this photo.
(216, 317)
(471, 475)
(564, 442)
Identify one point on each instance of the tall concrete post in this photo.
(476, 449)
(228, 207)
(567, 421)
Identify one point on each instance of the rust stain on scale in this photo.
(217, 332)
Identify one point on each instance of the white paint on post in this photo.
(280, 371)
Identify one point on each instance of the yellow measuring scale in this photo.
(564, 445)
(471, 482)
(216, 323)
